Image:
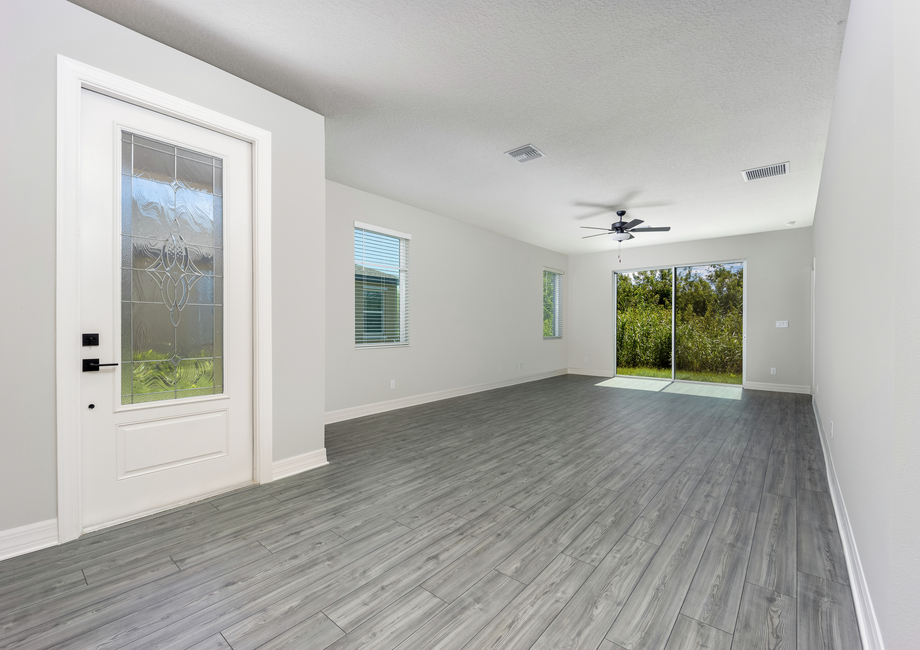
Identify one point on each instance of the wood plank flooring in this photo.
(554, 515)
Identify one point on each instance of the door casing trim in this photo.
(72, 78)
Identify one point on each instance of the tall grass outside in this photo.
(708, 318)
(686, 375)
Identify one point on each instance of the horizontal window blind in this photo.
(552, 304)
(381, 288)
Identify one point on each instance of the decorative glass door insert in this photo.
(171, 272)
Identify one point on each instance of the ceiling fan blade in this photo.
(632, 224)
(647, 204)
(630, 237)
(608, 207)
(614, 205)
(597, 235)
(596, 205)
(631, 206)
(596, 213)
(595, 228)
(664, 229)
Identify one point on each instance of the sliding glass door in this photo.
(709, 318)
(644, 320)
(684, 323)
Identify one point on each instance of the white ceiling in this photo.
(652, 105)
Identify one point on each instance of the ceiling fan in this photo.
(626, 202)
(623, 231)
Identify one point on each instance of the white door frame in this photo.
(72, 78)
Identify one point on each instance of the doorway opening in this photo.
(683, 323)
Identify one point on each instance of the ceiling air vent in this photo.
(526, 153)
(764, 172)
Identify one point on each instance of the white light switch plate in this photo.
(782, 323)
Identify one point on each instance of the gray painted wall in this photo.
(475, 305)
(777, 280)
(867, 310)
(32, 33)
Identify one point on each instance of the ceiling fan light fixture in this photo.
(621, 236)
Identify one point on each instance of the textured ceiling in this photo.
(652, 105)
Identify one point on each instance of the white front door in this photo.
(165, 248)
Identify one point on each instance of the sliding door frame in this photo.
(673, 268)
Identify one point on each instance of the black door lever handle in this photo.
(93, 365)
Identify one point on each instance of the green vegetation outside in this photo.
(712, 377)
(550, 298)
(162, 376)
(660, 373)
(708, 318)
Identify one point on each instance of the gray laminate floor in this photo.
(555, 514)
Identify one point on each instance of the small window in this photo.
(381, 286)
(552, 304)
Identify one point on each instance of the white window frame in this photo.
(403, 287)
(557, 303)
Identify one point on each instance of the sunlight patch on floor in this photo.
(705, 390)
(636, 383)
(680, 388)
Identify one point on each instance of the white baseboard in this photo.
(382, 407)
(591, 373)
(298, 464)
(869, 628)
(777, 388)
(25, 539)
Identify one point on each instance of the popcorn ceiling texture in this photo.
(634, 102)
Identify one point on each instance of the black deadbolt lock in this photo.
(90, 339)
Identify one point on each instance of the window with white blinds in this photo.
(552, 304)
(381, 286)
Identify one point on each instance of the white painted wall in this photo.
(475, 304)
(32, 33)
(778, 284)
(867, 309)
